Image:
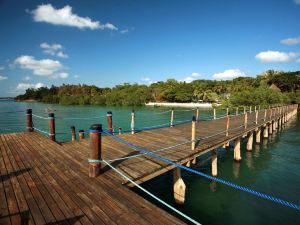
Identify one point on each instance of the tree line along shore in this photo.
(270, 87)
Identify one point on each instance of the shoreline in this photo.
(184, 105)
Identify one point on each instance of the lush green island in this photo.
(271, 87)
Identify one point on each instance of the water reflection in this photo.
(236, 169)
(256, 150)
(249, 161)
(213, 185)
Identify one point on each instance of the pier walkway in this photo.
(45, 182)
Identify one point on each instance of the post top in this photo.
(81, 131)
(29, 111)
(72, 127)
(51, 115)
(109, 113)
(96, 127)
(194, 118)
(132, 111)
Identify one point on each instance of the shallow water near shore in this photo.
(272, 167)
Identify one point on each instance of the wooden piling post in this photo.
(246, 120)
(109, 122)
(132, 122)
(29, 123)
(227, 111)
(172, 117)
(197, 114)
(121, 131)
(250, 141)
(237, 111)
(227, 124)
(254, 108)
(214, 163)
(237, 150)
(250, 109)
(271, 127)
(265, 116)
(95, 146)
(179, 187)
(193, 133)
(256, 117)
(73, 133)
(51, 124)
(215, 115)
(266, 131)
(244, 110)
(81, 135)
(257, 135)
(259, 108)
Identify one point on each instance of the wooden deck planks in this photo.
(54, 188)
(44, 182)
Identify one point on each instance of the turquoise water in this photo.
(273, 167)
(12, 117)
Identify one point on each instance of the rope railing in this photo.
(151, 195)
(239, 187)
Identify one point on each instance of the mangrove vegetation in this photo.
(271, 87)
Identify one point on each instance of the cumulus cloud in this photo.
(229, 74)
(64, 16)
(3, 78)
(191, 77)
(62, 75)
(25, 86)
(43, 67)
(276, 56)
(53, 49)
(297, 2)
(27, 78)
(291, 41)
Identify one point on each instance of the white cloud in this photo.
(43, 67)
(191, 77)
(62, 54)
(146, 79)
(297, 2)
(276, 56)
(195, 74)
(3, 78)
(53, 49)
(298, 60)
(27, 78)
(76, 76)
(291, 41)
(229, 74)
(25, 86)
(62, 75)
(2, 67)
(64, 16)
(124, 31)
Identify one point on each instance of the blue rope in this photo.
(259, 194)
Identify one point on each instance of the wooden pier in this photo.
(45, 182)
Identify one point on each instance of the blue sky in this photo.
(111, 42)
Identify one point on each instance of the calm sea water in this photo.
(273, 167)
